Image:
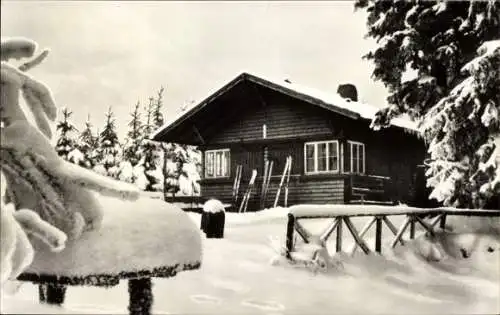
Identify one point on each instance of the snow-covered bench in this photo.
(138, 240)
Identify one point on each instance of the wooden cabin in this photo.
(336, 156)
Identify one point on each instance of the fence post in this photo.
(442, 222)
(338, 245)
(289, 234)
(412, 228)
(378, 234)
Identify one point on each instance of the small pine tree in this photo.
(109, 147)
(66, 138)
(150, 162)
(158, 119)
(148, 126)
(131, 151)
(181, 169)
(87, 144)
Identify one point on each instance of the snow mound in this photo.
(135, 236)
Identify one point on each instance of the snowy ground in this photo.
(237, 278)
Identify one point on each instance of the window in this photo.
(357, 157)
(217, 163)
(321, 157)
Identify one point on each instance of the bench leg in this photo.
(51, 293)
(140, 296)
(42, 293)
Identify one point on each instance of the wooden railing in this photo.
(368, 189)
(342, 214)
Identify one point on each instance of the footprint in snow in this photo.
(251, 266)
(264, 305)
(230, 285)
(202, 298)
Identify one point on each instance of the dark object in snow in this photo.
(490, 249)
(348, 91)
(214, 226)
(464, 253)
(140, 295)
(213, 219)
(52, 293)
(203, 224)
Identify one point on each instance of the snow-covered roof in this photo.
(327, 100)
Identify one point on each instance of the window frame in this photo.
(214, 163)
(351, 157)
(315, 144)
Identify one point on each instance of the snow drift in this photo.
(237, 277)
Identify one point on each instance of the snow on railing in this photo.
(342, 214)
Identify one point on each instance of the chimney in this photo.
(348, 91)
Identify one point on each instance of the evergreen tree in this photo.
(109, 147)
(134, 137)
(87, 144)
(151, 152)
(66, 138)
(148, 124)
(453, 50)
(132, 152)
(170, 175)
(158, 119)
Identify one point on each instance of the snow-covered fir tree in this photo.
(129, 170)
(170, 176)
(151, 160)
(440, 62)
(179, 175)
(87, 144)
(66, 134)
(157, 115)
(109, 148)
(131, 150)
(148, 125)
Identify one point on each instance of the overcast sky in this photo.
(116, 53)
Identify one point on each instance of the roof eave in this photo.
(169, 126)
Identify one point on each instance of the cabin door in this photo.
(251, 158)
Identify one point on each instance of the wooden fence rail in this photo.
(342, 214)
